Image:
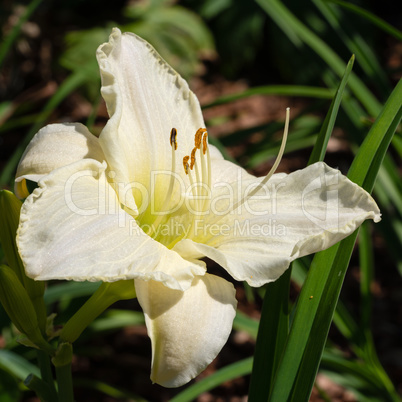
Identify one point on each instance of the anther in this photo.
(198, 137)
(173, 135)
(204, 142)
(192, 163)
(185, 163)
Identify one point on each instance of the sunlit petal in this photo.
(54, 146)
(298, 214)
(81, 233)
(145, 98)
(187, 329)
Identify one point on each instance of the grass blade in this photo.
(377, 142)
(271, 339)
(285, 90)
(243, 322)
(366, 257)
(313, 316)
(17, 365)
(320, 146)
(70, 84)
(104, 388)
(227, 373)
(345, 29)
(380, 23)
(115, 319)
(276, 8)
(10, 39)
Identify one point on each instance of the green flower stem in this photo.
(62, 363)
(45, 369)
(41, 388)
(107, 294)
(65, 381)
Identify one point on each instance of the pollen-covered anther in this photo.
(173, 136)
(185, 163)
(204, 142)
(192, 161)
(198, 138)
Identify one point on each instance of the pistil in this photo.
(273, 169)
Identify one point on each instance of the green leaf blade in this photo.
(320, 292)
(320, 146)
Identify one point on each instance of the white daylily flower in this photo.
(133, 204)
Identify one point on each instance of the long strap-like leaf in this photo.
(320, 292)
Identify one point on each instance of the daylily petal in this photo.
(54, 146)
(187, 329)
(305, 212)
(81, 233)
(145, 98)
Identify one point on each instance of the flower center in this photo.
(199, 193)
(200, 188)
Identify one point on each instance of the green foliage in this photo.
(238, 28)
(79, 55)
(9, 390)
(9, 40)
(180, 36)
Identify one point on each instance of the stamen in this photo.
(200, 140)
(204, 142)
(197, 175)
(209, 167)
(188, 172)
(203, 167)
(206, 170)
(209, 179)
(158, 219)
(192, 185)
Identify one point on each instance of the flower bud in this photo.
(10, 207)
(19, 307)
